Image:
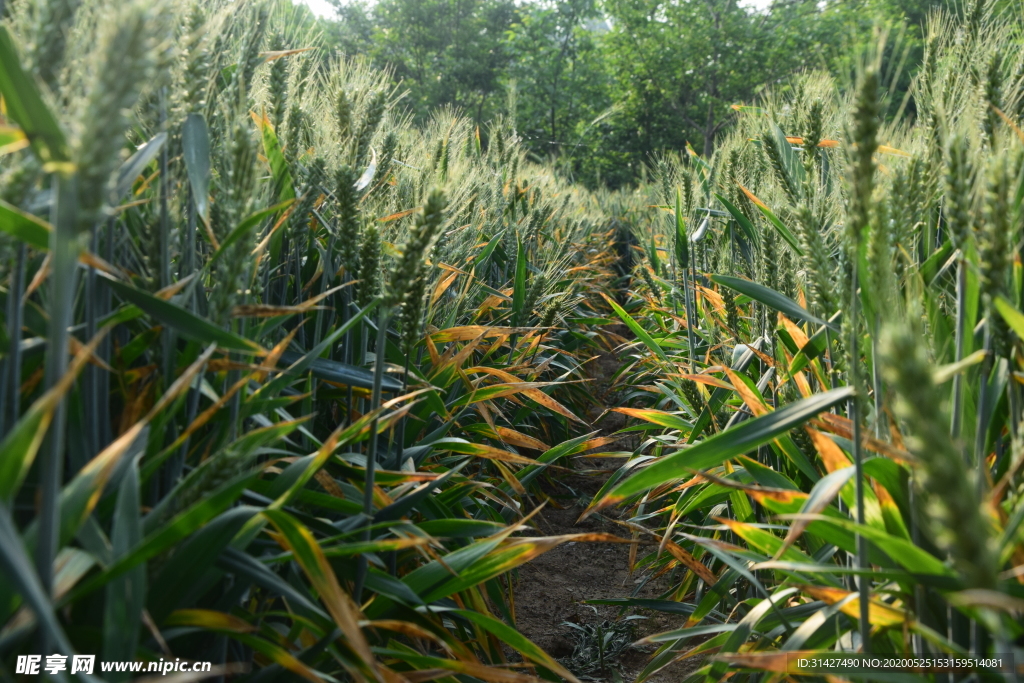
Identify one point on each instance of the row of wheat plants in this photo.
(825, 368)
(278, 370)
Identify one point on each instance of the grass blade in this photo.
(195, 145)
(770, 298)
(728, 444)
(24, 226)
(25, 105)
(635, 327)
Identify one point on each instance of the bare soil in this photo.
(552, 589)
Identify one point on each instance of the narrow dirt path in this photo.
(551, 589)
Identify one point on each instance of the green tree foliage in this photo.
(603, 86)
(445, 52)
(558, 70)
(662, 83)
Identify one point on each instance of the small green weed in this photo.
(597, 646)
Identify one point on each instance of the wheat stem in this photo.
(371, 452)
(64, 255)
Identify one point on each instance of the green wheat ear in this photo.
(693, 396)
(954, 508)
(407, 283)
(815, 128)
(389, 149)
(994, 247)
(905, 200)
(295, 123)
(958, 181)
(881, 282)
(555, 310)
(194, 78)
(278, 86)
(991, 92)
(53, 20)
(368, 273)
(312, 176)
(665, 182)
(862, 172)
(787, 277)
(249, 54)
(373, 114)
(782, 174)
(689, 192)
(343, 114)
(236, 190)
(769, 265)
(732, 313)
(648, 278)
(348, 217)
(124, 63)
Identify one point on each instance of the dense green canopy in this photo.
(604, 86)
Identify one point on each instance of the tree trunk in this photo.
(709, 131)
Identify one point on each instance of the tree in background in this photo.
(601, 86)
(352, 32)
(678, 66)
(445, 52)
(558, 70)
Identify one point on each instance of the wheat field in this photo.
(287, 378)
